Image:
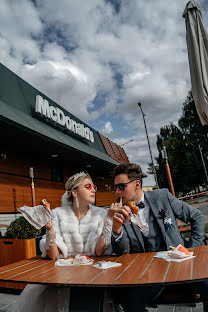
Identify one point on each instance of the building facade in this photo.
(36, 132)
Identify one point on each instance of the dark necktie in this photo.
(140, 205)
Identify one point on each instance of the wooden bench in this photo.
(184, 228)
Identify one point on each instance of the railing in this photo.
(184, 228)
(194, 195)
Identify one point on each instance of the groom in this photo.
(159, 210)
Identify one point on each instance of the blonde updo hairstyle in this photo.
(73, 183)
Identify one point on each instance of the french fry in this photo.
(172, 247)
(45, 203)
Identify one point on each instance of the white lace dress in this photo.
(72, 237)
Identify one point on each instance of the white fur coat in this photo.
(73, 236)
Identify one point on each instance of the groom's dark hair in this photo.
(133, 171)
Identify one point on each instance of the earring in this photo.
(77, 202)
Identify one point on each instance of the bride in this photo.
(77, 227)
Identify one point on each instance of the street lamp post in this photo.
(127, 142)
(143, 115)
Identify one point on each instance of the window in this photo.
(57, 173)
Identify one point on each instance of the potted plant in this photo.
(19, 242)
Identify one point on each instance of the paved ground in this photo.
(7, 300)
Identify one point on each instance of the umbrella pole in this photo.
(170, 181)
(167, 168)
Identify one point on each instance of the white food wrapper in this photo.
(139, 221)
(106, 265)
(165, 256)
(77, 260)
(180, 252)
(37, 216)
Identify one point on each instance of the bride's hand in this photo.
(113, 209)
(49, 226)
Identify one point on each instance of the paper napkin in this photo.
(106, 265)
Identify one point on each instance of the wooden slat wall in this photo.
(18, 163)
(105, 198)
(15, 184)
(17, 192)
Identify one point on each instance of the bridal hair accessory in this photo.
(77, 202)
(78, 175)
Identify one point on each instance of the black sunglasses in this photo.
(121, 186)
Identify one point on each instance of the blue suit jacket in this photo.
(174, 208)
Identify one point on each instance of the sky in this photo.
(99, 58)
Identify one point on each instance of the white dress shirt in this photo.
(143, 214)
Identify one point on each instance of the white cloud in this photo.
(108, 128)
(73, 52)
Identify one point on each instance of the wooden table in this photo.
(136, 270)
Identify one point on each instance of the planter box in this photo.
(13, 250)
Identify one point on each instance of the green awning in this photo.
(38, 128)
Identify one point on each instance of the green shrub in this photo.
(21, 228)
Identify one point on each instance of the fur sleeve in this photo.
(95, 237)
(101, 214)
(59, 240)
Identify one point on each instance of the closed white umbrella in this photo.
(197, 44)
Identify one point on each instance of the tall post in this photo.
(31, 172)
(143, 115)
(167, 168)
(205, 169)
